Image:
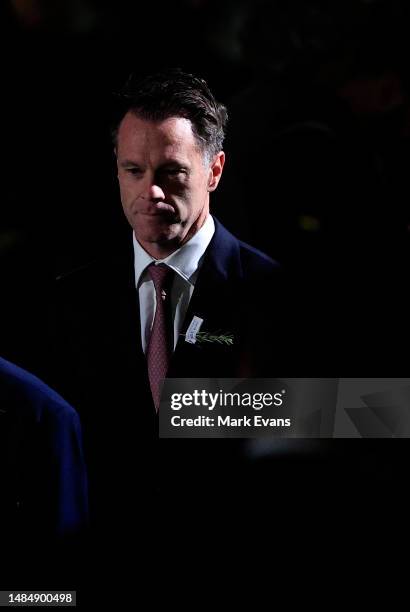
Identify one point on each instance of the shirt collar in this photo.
(185, 261)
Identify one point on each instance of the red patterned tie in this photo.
(161, 339)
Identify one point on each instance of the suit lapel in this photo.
(212, 301)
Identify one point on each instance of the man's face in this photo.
(164, 181)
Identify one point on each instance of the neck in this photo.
(196, 226)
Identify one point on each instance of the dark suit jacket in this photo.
(43, 476)
(100, 366)
(98, 328)
(43, 484)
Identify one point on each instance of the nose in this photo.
(153, 192)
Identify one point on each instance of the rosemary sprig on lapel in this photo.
(210, 338)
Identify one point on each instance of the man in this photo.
(169, 156)
(168, 147)
(123, 321)
(43, 481)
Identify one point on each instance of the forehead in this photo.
(170, 137)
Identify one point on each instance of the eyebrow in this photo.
(129, 162)
(169, 164)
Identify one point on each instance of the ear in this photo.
(215, 171)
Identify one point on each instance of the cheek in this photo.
(123, 193)
(127, 188)
(182, 192)
(199, 192)
(193, 195)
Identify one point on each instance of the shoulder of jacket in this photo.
(255, 260)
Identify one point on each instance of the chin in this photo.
(161, 236)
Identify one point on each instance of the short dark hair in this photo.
(176, 94)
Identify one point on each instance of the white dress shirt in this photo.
(186, 263)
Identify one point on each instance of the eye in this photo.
(134, 171)
(174, 172)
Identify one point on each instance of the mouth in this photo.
(158, 209)
(161, 211)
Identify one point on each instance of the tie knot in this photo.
(161, 276)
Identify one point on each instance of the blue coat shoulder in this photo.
(45, 479)
(227, 251)
(32, 397)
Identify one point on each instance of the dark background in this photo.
(317, 154)
(316, 176)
